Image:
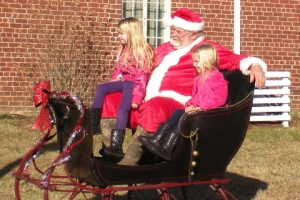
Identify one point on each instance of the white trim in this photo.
(160, 33)
(167, 12)
(247, 62)
(237, 27)
(159, 72)
(174, 95)
(189, 26)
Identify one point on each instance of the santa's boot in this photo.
(158, 138)
(116, 141)
(95, 119)
(134, 151)
(132, 155)
(165, 151)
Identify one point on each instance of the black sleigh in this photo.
(209, 140)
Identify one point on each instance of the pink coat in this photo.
(130, 72)
(211, 94)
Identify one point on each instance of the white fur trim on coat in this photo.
(247, 62)
(159, 72)
(174, 95)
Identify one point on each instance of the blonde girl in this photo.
(209, 91)
(134, 63)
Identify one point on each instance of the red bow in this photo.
(41, 97)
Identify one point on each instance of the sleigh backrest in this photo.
(239, 86)
(220, 132)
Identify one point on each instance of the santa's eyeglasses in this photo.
(179, 32)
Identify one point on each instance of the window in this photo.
(151, 14)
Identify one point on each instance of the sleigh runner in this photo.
(209, 140)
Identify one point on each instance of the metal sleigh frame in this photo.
(202, 156)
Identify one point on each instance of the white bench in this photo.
(272, 102)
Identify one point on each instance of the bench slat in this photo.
(283, 82)
(277, 74)
(271, 100)
(254, 118)
(282, 91)
(271, 109)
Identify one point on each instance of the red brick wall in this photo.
(19, 21)
(270, 29)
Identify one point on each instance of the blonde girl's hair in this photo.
(142, 52)
(208, 58)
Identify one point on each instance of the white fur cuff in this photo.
(247, 62)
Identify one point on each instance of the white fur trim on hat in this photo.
(180, 23)
(167, 20)
(189, 26)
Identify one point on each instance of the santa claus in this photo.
(170, 84)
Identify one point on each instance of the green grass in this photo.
(265, 168)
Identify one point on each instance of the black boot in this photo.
(158, 138)
(101, 151)
(165, 150)
(95, 119)
(116, 141)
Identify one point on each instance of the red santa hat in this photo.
(186, 19)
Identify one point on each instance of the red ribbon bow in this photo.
(41, 98)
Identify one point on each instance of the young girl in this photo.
(209, 91)
(134, 62)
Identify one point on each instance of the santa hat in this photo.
(186, 19)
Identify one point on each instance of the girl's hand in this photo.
(192, 109)
(118, 79)
(134, 106)
(189, 109)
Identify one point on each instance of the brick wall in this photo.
(270, 29)
(20, 20)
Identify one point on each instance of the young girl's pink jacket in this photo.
(213, 93)
(130, 72)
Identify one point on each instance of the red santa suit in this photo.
(171, 82)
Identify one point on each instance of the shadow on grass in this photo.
(9, 167)
(244, 187)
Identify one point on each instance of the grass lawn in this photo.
(267, 166)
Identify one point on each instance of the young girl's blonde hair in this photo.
(208, 58)
(137, 45)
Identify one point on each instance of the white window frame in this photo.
(144, 18)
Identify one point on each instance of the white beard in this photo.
(174, 43)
